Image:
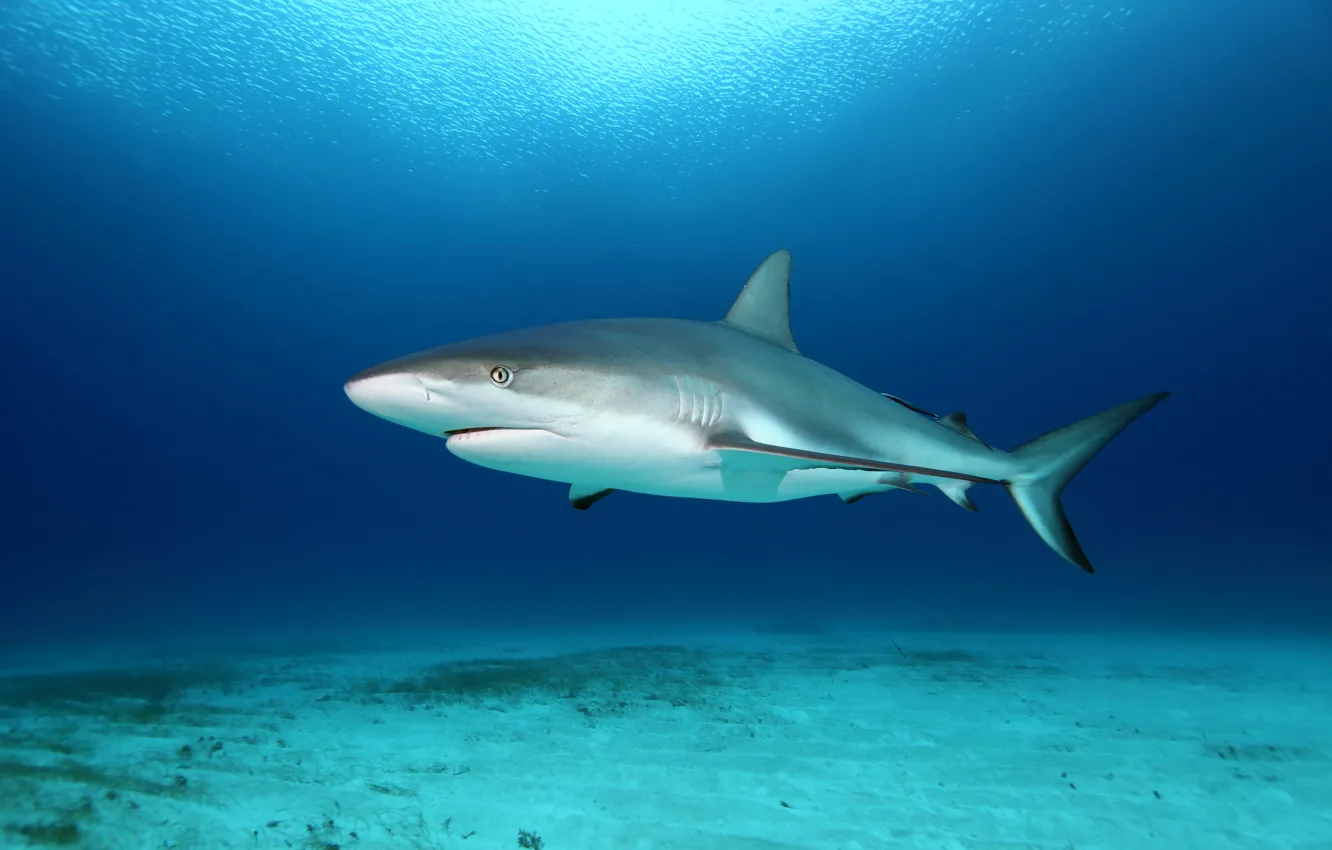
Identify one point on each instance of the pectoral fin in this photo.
(583, 496)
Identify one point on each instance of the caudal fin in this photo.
(1048, 463)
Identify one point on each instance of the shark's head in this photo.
(550, 401)
(500, 382)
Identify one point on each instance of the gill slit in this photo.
(698, 401)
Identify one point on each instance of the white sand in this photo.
(740, 741)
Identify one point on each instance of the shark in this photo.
(726, 410)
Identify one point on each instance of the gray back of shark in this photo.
(727, 410)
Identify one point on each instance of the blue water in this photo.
(213, 215)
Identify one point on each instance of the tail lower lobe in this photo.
(1046, 465)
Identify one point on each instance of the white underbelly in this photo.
(760, 487)
(794, 484)
(655, 461)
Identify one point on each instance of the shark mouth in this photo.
(492, 429)
(458, 431)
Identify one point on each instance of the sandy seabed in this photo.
(754, 740)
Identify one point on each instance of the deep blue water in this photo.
(1030, 212)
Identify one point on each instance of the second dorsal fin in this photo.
(958, 422)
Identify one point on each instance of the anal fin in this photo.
(957, 492)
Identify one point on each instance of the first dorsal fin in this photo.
(764, 306)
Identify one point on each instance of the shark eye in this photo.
(502, 376)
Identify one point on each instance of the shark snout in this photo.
(387, 394)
